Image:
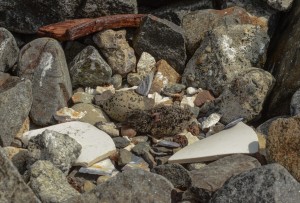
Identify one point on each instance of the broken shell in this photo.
(165, 143)
(212, 120)
(233, 123)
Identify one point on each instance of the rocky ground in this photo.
(194, 105)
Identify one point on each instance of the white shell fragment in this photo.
(212, 120)
(238, 139)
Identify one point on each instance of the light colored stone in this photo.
(82, 97)
(109, 127)
(96, 144)
(192, 90)
(104, 167)
(102, 89)
(68, 114)
(158, 99)
(238, 139)
(212, 120)
(164, 75)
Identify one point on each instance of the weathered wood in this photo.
(74, 29)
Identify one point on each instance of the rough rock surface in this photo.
(18, 157)
(12, 186)
(197, 23)
(283, 144)
(280, 5)
(26, 16)
(48, 71)
(15, 103)
(286, 42)
(89, 69)
(175, 173)
(9, 50)
(245, 97)
(132, 186)
(295, 103)
(60, 149)
(270, 183)
(124, 102)
(93, 114)
(208, 179)
(97, 8)
(49, 183)
(223, 53)
(160, 121)
(163, 40)
(114, 46)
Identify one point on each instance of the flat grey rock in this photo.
(60, 149)
(12, 186)
(48, 71)
(133, 186)
(15, 104)
(269, 183)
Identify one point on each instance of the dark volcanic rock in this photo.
(15, 104)
(270, 183)
(163, 40)
(210, 178)
(26, 16)
(48, 71)
(12, 186)
(130, 186)
(285, 42)
(9, 50)
(97, 8)
(60, 149)
(89, 69)
(283, 144)
(175, 173)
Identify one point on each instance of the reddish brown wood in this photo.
(74, 29)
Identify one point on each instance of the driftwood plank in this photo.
(74, 29)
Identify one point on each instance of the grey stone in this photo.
(82, 97)
(125, 157)
(48, 71)
(9, 50)
(245, 97)
(174, 88)
(148, 157)
(123, 102)
(163, 40)
(176, 11)
(27, 16)
(60, 149)
(97, 8)
(223, 53)
(71, 49)
(12, 186)
(210, 178)
(18, 157)
(121, 142)
(280, 5)
(269, 183)
(288, 34)
(140, 148)
(132, 186)
(49, 183)
(116, 81)
(196, 24)
(15, 104)
(175, 173)
(114, 46)
(93, 114)
(295, 103)
(89, 69)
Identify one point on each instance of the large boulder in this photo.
(48, 71)
(12, 186)
(285, 43)
(9, 50)
(163, 40)
(89, 69)
(130, 186)
(269, 183)
(283, 144)
(223, 53)
(15, 104)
